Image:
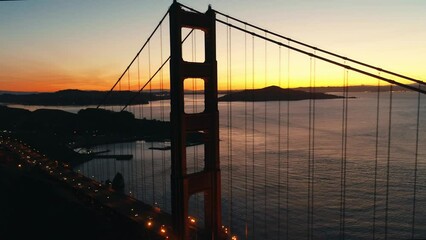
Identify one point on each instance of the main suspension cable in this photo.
(134, 59)
(327, 60)
(319, 49)
(152, 77)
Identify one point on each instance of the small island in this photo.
(274, 93)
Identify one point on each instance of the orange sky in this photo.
(51, 45)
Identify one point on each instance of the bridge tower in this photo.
(207, 181)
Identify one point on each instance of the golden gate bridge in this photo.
(266, 167)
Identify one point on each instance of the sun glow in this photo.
(92, 54)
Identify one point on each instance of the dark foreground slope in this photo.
(33, 206)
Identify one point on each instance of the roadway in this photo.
(154, 223)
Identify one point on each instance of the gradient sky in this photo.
(53, 45)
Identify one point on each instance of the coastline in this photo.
(49, 211)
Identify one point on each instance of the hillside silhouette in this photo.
(72, 97)
(58, 132)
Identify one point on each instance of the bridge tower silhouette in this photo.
(206, 181)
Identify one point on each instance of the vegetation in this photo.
(57, 132)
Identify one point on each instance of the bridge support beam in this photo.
(207, 181)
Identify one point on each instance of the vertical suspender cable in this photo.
(288, 148)
(345, 151)
(115, 162)
(120, 89)
(266, 145)
(279, 148)
(253, 132)
(245, 140)
(194, 109)
(161, 74)
(129, 169)
(343, 161)
(151, 118)
(312, 147)
(163, 154)
(150, 82)
(144, 181)
(143, 95)
(128, 79)
(101, 176)
(309, 151)
(194, 106)
(141, 146)
(108, 167)
(229, 123)
(126, 171)
(142, 159)
(139, 87)
(388, 160)
(228, 128)
(376, 159)
(193, 94)
(413, 222)
(230, 132)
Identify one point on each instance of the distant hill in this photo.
(72, 97)
(16, 93)
(360, 88)
(81, 98)
(274, 93)
(328, 89)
